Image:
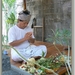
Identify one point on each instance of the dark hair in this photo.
(26, 12)
(20, 20)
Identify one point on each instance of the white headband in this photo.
(24, 17)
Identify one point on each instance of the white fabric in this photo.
(27, 50)
(24, 17)
(15, 33)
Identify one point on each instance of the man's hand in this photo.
(28, 36)
(31, 40)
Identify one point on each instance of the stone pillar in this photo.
(5, 63)
(8, 69)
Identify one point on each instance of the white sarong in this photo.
(30, 51)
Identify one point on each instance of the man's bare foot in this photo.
(24, 62)
(36, 57)
(17, 61)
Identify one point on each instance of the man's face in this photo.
(23, 24)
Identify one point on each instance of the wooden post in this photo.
(42, 27)
(24, 4)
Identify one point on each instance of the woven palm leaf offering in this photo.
(53, 62)
(47, 65)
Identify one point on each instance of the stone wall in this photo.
(57, 15)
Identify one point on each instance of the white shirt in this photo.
(16, 33)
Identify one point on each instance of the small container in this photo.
(5, 52)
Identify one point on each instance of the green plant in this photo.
(66, 61)
(9, 16)
(52, 62)
(62, 37)
(11, 19)
(4, 39)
